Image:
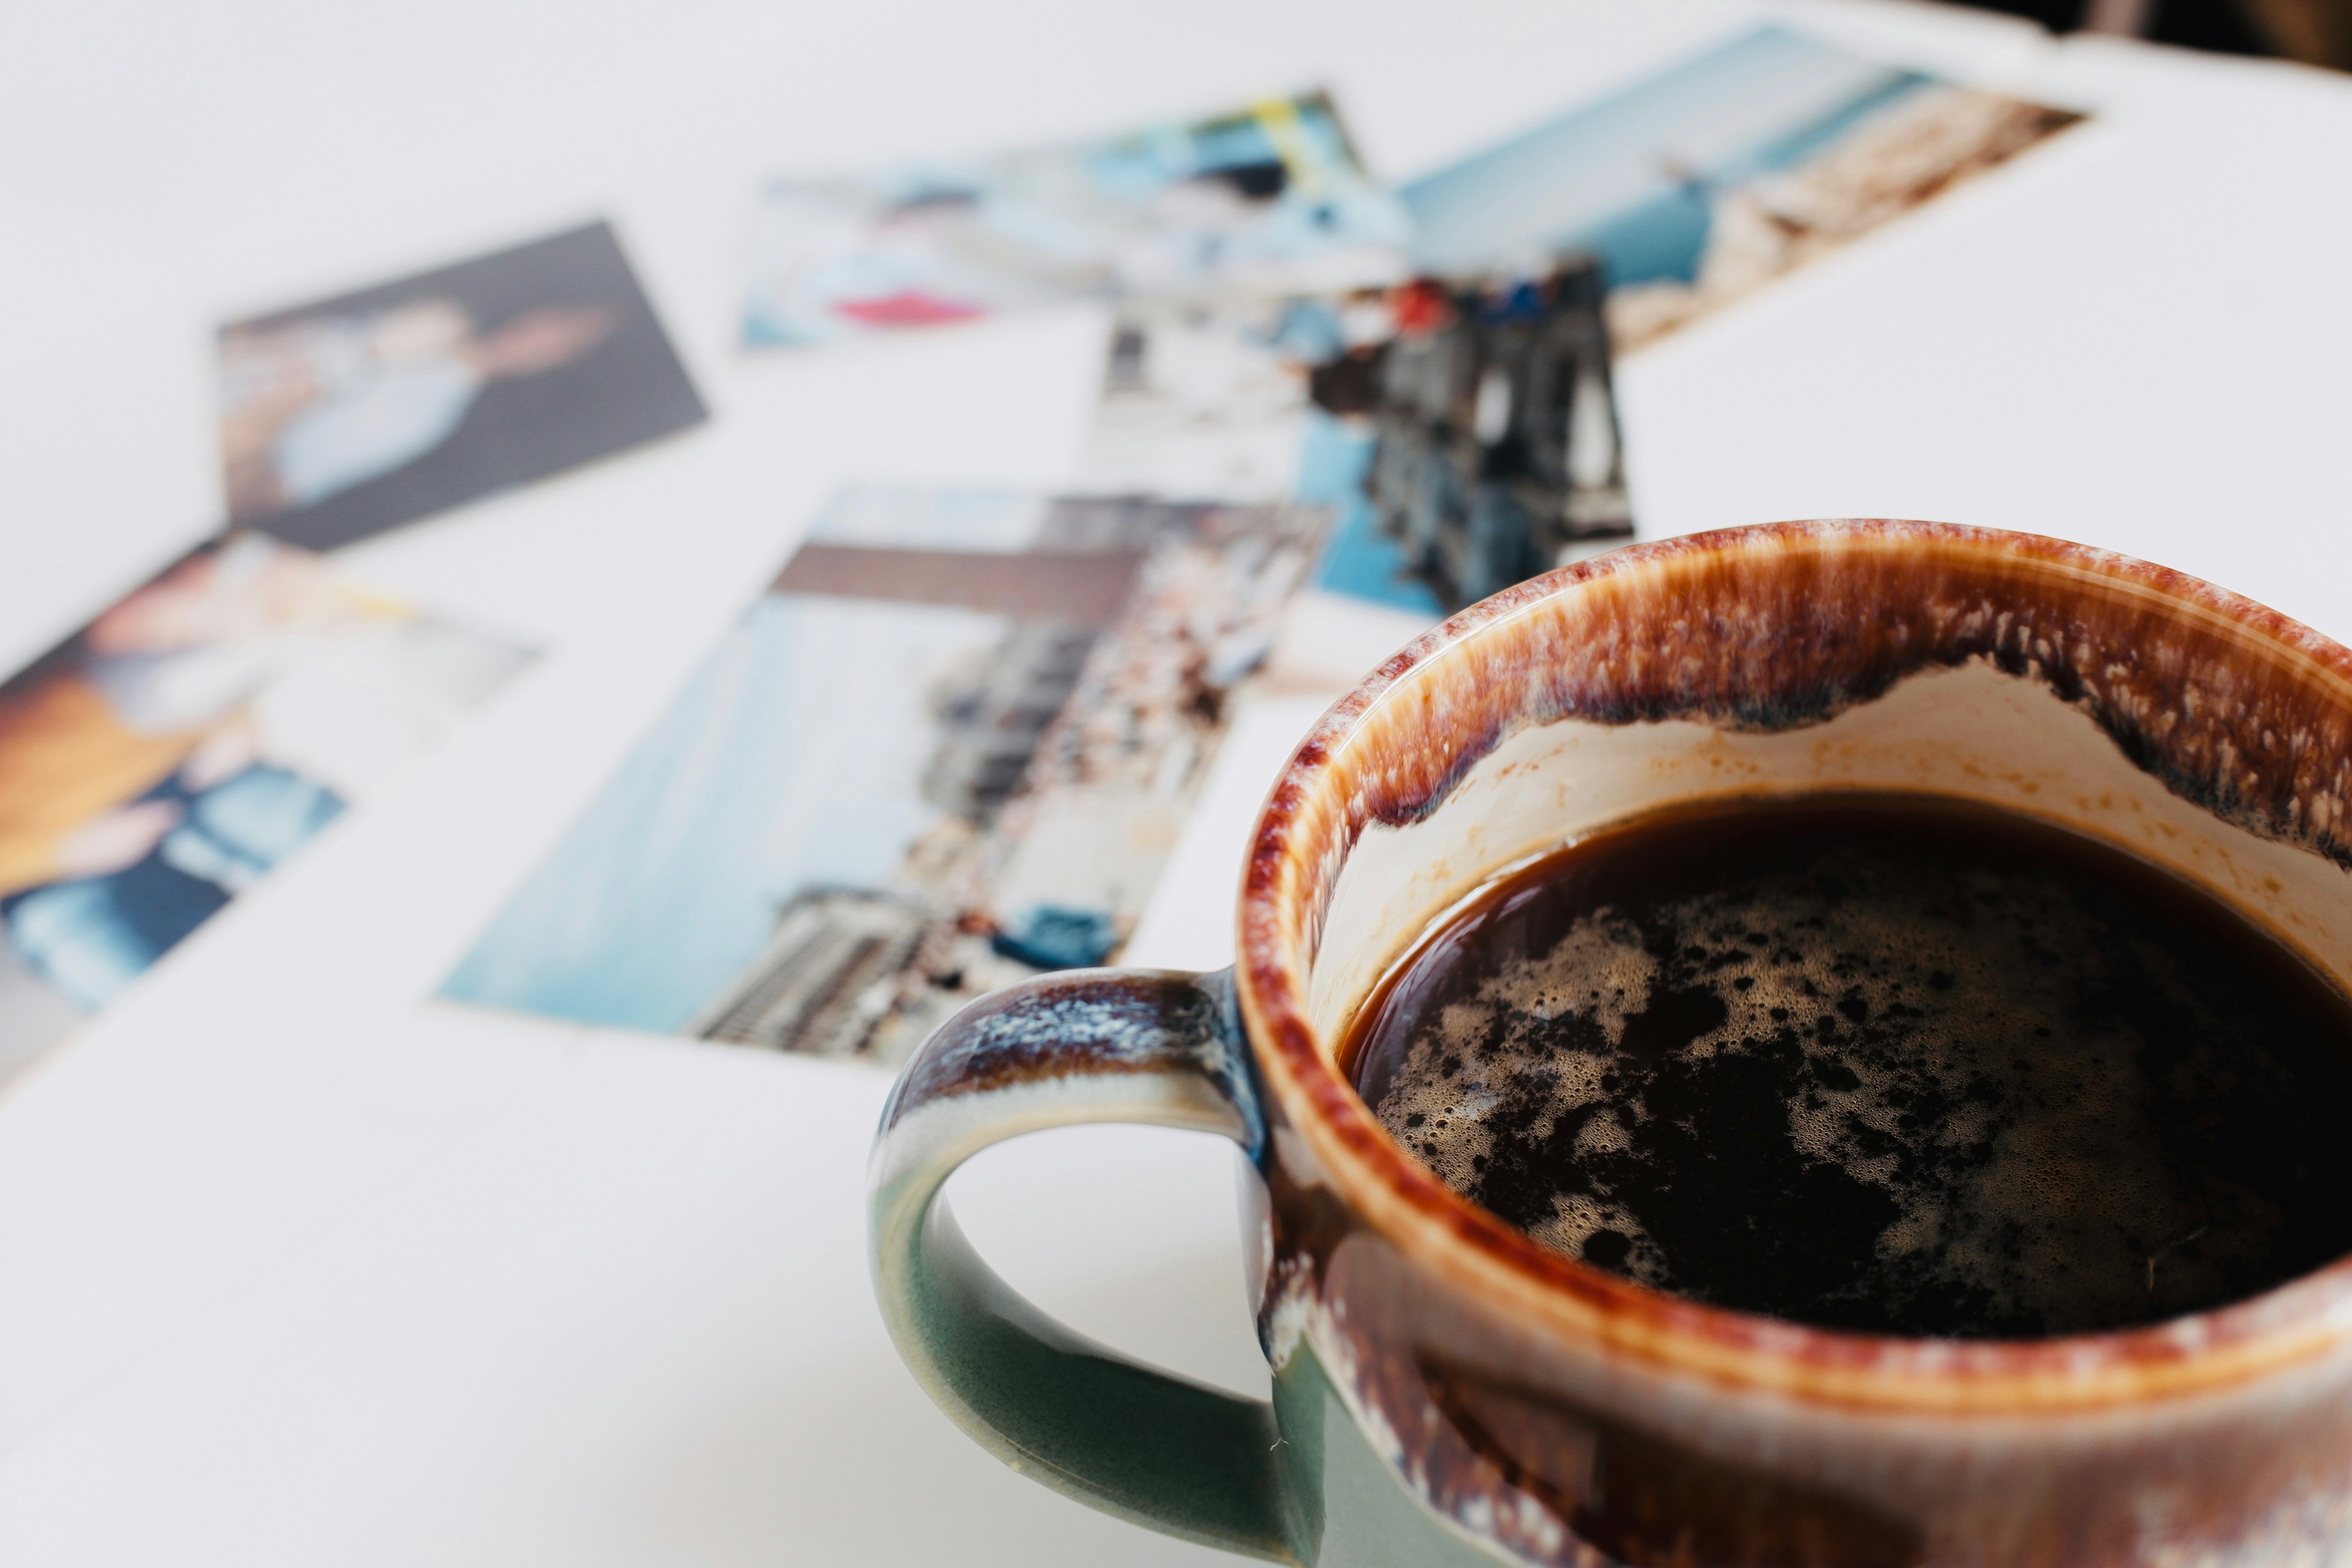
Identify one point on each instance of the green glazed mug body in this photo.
(1446, 1390)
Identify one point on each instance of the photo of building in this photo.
(951, 746)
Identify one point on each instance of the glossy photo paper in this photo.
(1267, 199)
(951, 745)
(186, 742)
(351, 416)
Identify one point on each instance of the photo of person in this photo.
(351, 416)
(184, 743)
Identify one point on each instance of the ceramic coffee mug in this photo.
(1447, 1391)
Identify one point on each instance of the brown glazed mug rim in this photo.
(1462, 1245)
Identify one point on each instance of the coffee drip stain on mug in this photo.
(1878, 1065)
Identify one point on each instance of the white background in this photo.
(296, 1267)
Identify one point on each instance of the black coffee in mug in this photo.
(1884, 1064)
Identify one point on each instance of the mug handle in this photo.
(1158, 1046)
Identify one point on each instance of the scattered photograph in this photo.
(1464, 431)
(1271, 199)
(952, 745)
(180, 746)
(1697, 186)
(1494, 452)
(347, 416)
(1202, 401)
(1462, 422)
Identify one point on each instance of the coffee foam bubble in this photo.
(1926, 1036)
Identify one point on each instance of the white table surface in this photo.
(296, 1267)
